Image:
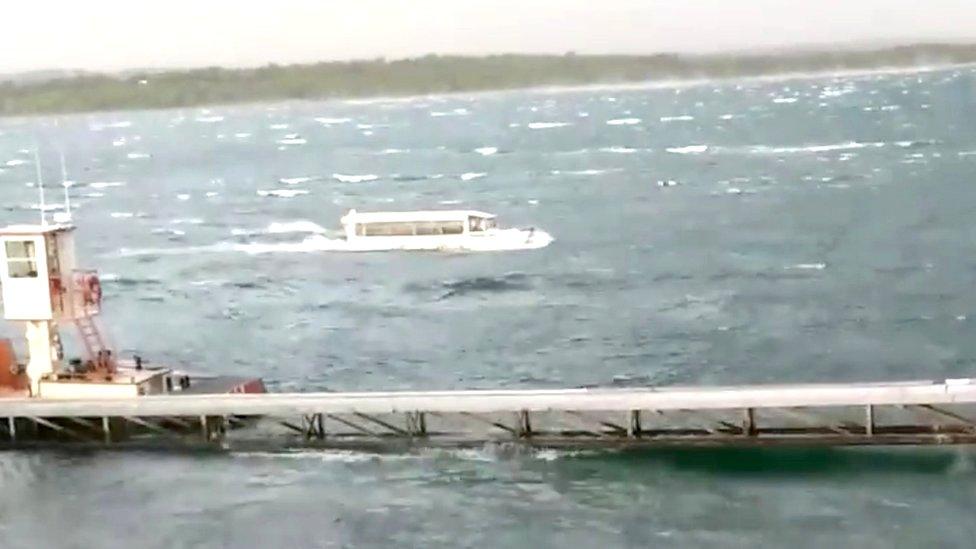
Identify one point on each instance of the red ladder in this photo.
(95, 347)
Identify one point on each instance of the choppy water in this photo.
(806, 230)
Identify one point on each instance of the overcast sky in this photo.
(117, 34)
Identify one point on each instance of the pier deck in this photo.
(895, 413)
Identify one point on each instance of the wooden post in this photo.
(869, 420)
(205, 428)
(749, 425)
(106, 430)
(524, 429)
(12, 427)
(634, 424)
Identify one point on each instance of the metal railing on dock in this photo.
(920, 412)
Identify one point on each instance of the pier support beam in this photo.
(416, 424)
(634, 424)
(524, 428)
(749, 422)
(869, 420)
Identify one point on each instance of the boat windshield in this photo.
(480, 224)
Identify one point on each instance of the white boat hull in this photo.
(488, 241)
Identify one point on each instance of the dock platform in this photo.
(894, 413)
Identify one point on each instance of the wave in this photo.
(785, 100)
(209, 119)
(580, 172)
(331, 121)
(138, 156)
(346, 178)
(106, 184)
(850, 145)
(619, 150)
(455, 112)
(547, 125)
(486, 151)
(688, 149)
(15, 162)
(808, 267)
(97, 127)
(472, 175)
(679, 118)
(295, 180)
(300, 226)
(394, 151)
(282, 193)
(480, 284)
(278, 126)
(292, 141)
(623, 122)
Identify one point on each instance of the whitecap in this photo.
(486, 151)
(681, 118)
(472, 175)
(455, 112)
(171, 232)
(623, 122)
(808, 266)
(295, 180)
(212, 194)
(330, 121)
(688, 149)
(394, 151)
(278, 126)
(183, 196)
(761, 149)
(967, 153)
(122, 215)
(619, 150)
(292, 141)
(579, 172)
(785, 100)
(209, 119)
(242, 135)
(547, 125)
(137, 156)
(15, 162)
(106, 184)
(729, 116)
(282, 193)
(300, 226)
(355, 178)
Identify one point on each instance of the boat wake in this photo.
(506, 240)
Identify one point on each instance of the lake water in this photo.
(813, 229)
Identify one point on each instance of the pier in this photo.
(895, 413)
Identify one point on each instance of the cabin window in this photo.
(423, 228)
(388, 229)
(21, 259)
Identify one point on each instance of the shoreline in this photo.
(634, 85)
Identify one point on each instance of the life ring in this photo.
(92, 290)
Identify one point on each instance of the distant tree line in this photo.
(434, 74)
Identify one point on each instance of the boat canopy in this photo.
(354, 217)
